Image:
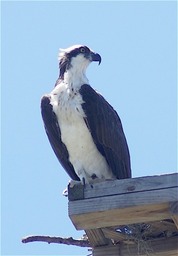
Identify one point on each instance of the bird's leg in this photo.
(83, 176)
(83, 181)
(72, 183)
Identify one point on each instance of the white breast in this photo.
(83, 154)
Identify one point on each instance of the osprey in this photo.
(84, 130)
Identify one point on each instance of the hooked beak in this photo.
(95, 57)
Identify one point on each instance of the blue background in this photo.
(137, 42)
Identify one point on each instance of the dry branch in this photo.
(57, 240)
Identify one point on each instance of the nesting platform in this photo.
(137, 216)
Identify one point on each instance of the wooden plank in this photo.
(96, 237)
(76, 192)
(120, 217)
(121, 209)
(174, 212)
(175, 219)
(113, 187)
(123, 201)
(110, 233)
(158, 247)
(107, 251)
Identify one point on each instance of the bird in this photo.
(84, 130)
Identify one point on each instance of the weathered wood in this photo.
(96, 237)
(110, 204)
(174, 212)
(107, 250)
(122, 209)
(110, 233)
(116, 187)
(75, 192)
(159, 247)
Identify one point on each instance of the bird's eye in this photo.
(82, 49)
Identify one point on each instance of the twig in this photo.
(57, 240)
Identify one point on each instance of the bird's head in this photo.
(76, 58)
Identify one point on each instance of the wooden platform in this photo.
(138, 215)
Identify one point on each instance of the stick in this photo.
(57, 240)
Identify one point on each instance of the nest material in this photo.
(141, 234)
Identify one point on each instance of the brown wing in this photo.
(54, 135)
(107, 132)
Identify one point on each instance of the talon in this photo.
(65, 192)
(72, 183)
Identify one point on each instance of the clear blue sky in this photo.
(137, 42)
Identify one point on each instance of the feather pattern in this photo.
(107, 132)
(54, 136)
(84, 130)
